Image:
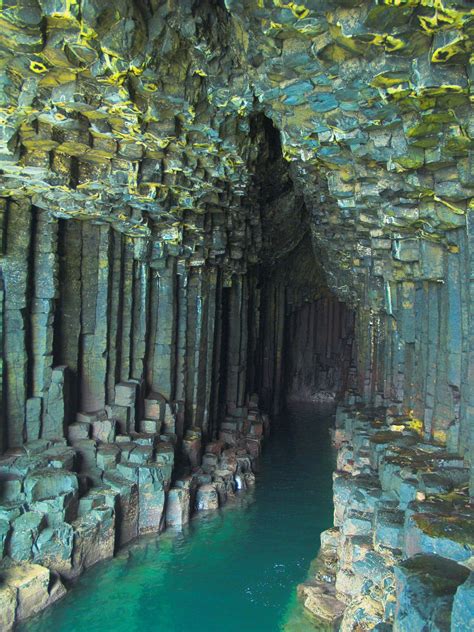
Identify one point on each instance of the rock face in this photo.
(26, 589)
(400, 556)
(57, 522)
(203, 200)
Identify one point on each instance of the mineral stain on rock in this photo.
(209, 209)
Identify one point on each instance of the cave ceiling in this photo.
(147, 115)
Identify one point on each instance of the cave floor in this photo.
(231, 570)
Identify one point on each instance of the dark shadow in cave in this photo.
(305, 349)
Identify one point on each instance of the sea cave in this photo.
(236, 316)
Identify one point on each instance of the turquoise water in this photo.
(233, 571)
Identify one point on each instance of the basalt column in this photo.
(318, 358)
(203, 202)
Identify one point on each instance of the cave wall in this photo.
(319, 362)
(143, 116)
(88, 308)
(180, 178)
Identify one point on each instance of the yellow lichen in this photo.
(440, 436)
(38, 67)
(415, 424)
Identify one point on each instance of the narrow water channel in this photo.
(233, 571)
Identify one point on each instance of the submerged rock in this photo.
(320, 600)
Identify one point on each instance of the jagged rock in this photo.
(60, 457)
(151, 498)
(86, 450)
(293, 186)
(104, 431)
(356, 523)
(25, 531)
(8, 602)
(49, 483)
(10, 487)
(54, 548)
(107, 456)
(388, 528)
(363, 613)
(4, 535)
(127, 507)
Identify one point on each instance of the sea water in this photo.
(234, 570)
